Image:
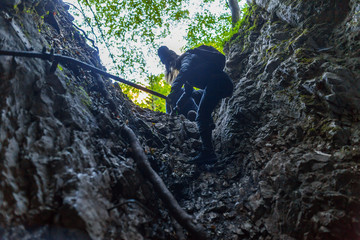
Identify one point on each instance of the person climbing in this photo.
(187, 107)
(201, 67)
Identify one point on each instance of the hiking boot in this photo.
(191, 115)
(205, 157)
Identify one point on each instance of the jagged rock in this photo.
(11, 3)
(287, 140)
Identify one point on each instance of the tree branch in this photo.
(165, 195)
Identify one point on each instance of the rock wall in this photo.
(63, 160)
(287, 140)
(294, 119)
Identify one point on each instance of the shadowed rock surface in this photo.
(288, 139)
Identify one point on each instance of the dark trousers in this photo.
(219, 86)
(186, 103)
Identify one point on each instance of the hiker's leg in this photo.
(208, 102)
(223, 84)
(197, 94)
(187, 104)
(218, 87)
(205, 124)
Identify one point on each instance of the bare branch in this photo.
(165, 195)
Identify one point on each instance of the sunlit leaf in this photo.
(130, 30)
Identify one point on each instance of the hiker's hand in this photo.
(169, 98)
(175, 111)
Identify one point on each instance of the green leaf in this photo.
(131, 31)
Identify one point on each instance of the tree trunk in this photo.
(235, 11)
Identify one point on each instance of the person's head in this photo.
(168, 58)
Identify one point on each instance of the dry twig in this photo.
(165, 195)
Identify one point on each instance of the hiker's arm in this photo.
(185, 96)
(168, 107)
(177, 84)
(183, 72)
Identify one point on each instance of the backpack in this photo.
(215, 59)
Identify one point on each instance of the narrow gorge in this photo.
(288, 140)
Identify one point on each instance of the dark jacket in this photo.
(194, 71)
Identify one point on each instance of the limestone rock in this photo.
(287, 140)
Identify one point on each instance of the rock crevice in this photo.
(287, 140)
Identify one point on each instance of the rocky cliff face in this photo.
(287, 140)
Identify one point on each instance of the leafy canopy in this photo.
(132, 31)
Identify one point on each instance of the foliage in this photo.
(208, 29)
(145, 100)
(246, 24)
(131, 29)
(214, 30)
(158, 84)
(129, 26)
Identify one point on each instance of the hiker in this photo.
(188, 107)
(202, 68)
